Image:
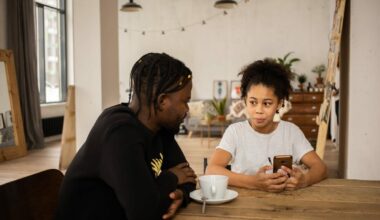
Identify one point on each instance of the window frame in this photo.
(40, 18)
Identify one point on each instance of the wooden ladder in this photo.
(333, 56)
(68, 141)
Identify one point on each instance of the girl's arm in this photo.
(317, 168)
(268, 182)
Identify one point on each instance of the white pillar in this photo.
(110, 52)
(95, 34)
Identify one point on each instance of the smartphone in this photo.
(282, 160)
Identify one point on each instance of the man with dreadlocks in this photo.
(130, 166)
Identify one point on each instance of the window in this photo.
(51, 50)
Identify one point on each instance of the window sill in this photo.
(52, 110)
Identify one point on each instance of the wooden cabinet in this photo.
(304, 112)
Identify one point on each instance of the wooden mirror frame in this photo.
(19, 149)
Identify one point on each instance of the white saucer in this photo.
(230, 195)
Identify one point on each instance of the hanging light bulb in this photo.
(131, 7)
(225, 4)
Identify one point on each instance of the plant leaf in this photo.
(286, 55)
(294, 60)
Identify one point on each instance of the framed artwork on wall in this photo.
(220, 89)
(235, 89)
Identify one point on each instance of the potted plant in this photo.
(319, 69)
(287, 63)
(301, 80)
(220, 106)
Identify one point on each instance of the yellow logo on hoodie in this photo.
(157, 164)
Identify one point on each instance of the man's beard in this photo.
(174, 130)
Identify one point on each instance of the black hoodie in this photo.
(120, 172)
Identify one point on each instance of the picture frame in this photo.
(8, 119)
(235, 89)
(2, 123)
(220, 89)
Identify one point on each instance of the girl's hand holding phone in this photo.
(274, 182)
(296, 180)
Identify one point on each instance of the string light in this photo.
(182, 28)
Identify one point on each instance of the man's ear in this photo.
(162, 101)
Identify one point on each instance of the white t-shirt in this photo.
(250, 150)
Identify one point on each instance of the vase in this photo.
(319, 80)
(221, 118)
(301, 86)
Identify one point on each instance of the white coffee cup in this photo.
(213, 186)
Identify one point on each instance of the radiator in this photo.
(52, 126)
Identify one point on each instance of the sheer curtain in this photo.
(22, 40)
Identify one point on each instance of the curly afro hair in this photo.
(268, 73)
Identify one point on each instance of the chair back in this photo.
(205, 164)
(31, 197)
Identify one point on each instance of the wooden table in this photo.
(329, 199)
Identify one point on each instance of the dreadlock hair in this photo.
(154, 74)
(270, 74)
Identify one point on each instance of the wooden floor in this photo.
(194, 148)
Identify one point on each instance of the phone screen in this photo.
(282, 160)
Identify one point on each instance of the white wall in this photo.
(91, 96)
(363, 144)
(3, 24)
(219, 49)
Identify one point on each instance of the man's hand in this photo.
(184, 173)
(177, 197)
(297, 178)
(274, 182)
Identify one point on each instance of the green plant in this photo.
(219, 105)
(287, 63)
(319, 69)
(301, 78)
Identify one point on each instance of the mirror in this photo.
(12, 139)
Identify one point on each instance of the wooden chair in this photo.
(205, 163)
(31, 197)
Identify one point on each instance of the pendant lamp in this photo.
(131, 7)
(225, 4)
